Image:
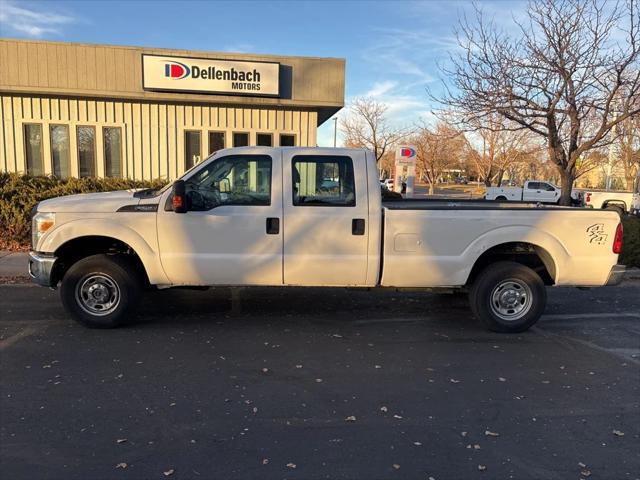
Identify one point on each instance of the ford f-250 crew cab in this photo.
(312, 217)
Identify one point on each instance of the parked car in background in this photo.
(621, 202)
(461, 180)
(533, 191)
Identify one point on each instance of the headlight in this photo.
(41, 224)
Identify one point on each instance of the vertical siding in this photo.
(152, 133)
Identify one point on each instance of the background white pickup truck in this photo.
(312, 217)
(533, 191)
(621, 202)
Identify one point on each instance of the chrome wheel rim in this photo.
(511, 299)
(98, 294)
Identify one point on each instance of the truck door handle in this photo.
(357, 226)
(273, 226)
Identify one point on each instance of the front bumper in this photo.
(616, 275)
(40, 268)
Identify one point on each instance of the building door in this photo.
(232, 233)
(325, 218)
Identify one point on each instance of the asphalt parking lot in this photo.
(316, 383)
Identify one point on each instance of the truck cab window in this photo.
(320, 180)
(231, 180)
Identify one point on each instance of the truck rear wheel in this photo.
(100, 291)
(508, 297)
(501, 198)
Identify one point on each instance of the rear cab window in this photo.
(323, 180)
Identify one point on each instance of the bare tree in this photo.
(627, 147)
(367, 126)
(437, 150)
(570, 75)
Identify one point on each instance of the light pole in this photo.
(335, 130)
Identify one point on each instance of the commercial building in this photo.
(143, 113)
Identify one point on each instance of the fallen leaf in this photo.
(350, 418)
(464, 434)
(581, 465)
(476, 447)
(291, 465)
(396, 466)
(121, 465)
(502, 379)
(384, 409)
(398, 417)
(255, 409)
(417, 444)
(298, 366)
(265, 370)
(482, 468)
(318, 380)
(618, 433)
(265, 461)
(491, 434)
(453, 380)
(378, 366)
(121, 440)
(585, 473)
(169, 472)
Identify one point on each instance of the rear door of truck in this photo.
(325, 205)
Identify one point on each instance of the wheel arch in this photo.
(525, 253)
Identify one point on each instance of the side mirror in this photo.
(179, 200)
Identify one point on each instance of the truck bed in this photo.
(468, 204)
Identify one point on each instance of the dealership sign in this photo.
(209, 76)
(406, 155)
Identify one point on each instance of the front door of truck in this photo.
(325, 218)
(232, 233)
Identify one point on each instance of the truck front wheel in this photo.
(100, 291)
(508, 297)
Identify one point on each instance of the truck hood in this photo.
(103, 202)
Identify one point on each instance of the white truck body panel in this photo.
(404, 244)
(417, 254)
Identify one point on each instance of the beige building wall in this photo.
(51, 83)
(153, 134)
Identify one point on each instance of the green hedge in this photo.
(631, 242)
(19, 193)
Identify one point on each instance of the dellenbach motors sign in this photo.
(210, 76)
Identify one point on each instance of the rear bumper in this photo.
(40, 268)
(616, 275)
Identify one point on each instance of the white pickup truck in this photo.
(533, 191)
(312, 217)
(621, 202)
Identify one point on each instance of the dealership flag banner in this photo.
(186, 74)
(405, 157)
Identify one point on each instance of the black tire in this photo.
(501, 198)
(519, 284)
(107, 280)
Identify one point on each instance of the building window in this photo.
(216, 142)
(264, 140)
(87, 151)
(240, 139)
(323, 181)
(33, 148)
(287, 140)
(191, 148)
(60, 157)
(112, 138)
